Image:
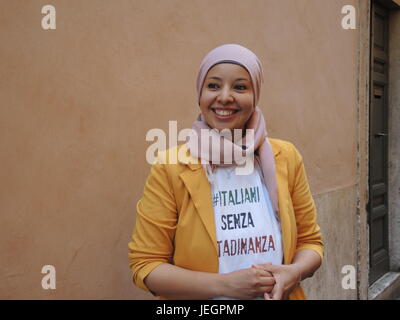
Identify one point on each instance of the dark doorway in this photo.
(378, 144)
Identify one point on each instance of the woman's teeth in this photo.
(224, 112)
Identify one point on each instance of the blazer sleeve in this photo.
(308, 231)
(152, 240)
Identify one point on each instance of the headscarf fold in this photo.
(212, 155)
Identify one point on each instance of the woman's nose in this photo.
(225, 96)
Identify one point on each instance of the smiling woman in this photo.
(196, 237)
(227, 98)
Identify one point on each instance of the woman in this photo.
(205, 231)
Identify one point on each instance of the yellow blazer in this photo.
(175, 218)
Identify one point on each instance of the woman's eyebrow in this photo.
(238, 79)
(215, 78)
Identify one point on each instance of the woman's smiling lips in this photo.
(224, 113)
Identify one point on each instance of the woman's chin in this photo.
(221, 127)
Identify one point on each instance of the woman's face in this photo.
(227, 97)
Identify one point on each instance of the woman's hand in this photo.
(287, 278)
(248, 283)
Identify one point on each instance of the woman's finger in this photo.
(265, 289)
(259, 267)
(277, 292)
(264, 273)
(267, 281)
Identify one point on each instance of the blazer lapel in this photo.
(199, 188)
(283, 202)
(283, 198)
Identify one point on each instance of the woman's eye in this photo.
(212, 86)
(240, 87)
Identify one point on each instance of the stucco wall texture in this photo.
(77, 102)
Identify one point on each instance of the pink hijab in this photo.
(260, 148)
